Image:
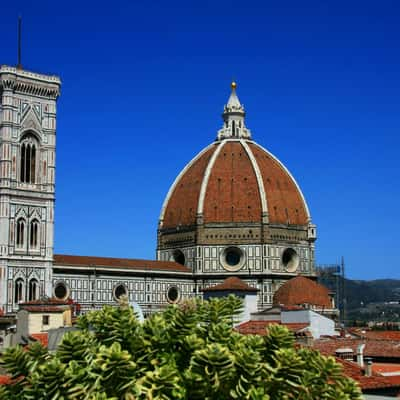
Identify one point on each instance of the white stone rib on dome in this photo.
(291, 177)
(256, 169)
(177, 179)
(206, 177)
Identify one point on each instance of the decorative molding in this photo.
(30, 83)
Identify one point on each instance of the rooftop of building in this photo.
(122, 263)
(233, 284)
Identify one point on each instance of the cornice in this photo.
(31, 83)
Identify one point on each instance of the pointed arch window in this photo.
(33, 293)
(34, 234)
(20, 237)
(28, 159)
(18, 290)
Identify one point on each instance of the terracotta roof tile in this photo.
(125, 263)
(285, 203)
(386, 368)
(182, 205)
(260, 327)
(43, 309)
(5, 380)
(352, 370)
(232, 193)
(301, 290)
(231, 284)
(373, 348)
(381, 335)
(43, 338)
(47, 301)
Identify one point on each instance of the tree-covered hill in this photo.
(370, 300)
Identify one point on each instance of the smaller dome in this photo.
(301, 290)
(231, 284)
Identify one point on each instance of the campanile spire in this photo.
(233, 117)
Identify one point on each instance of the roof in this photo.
(373, 347)
(44, 301)
(301, 290)
(354, 371)
(44, 309)
(123, 263)
(386, 368)
(381, 335)
(5, 379)
(43, 338)
(231, 284)
(260, 327)
(234, 180)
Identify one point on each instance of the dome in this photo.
(234, 180)
(301, 290)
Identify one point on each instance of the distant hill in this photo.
(371, 300)
(360, 293)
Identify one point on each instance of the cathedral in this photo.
(233, 211)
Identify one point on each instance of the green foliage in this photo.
(190, 351)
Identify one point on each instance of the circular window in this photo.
(178, 257)
(119, 291)
(61, 291)
(290, 260)
(173, 294)
(232, 258)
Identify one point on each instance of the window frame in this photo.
(19, 290)
(33, 289)
(34, 234)
(20, 234)
(28, 159)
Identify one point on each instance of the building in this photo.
(302, 305)
(234, 210)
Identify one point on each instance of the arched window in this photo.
(33, 290)
(20, 232)
(34, 234)
(28, 160)
(18, 290)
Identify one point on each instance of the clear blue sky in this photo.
(144, 83)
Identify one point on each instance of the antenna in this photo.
(19, 65)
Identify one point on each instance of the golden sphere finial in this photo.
(233, 85)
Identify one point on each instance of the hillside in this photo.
(371, 300)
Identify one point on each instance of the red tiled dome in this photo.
(234, 180)
(301, 290)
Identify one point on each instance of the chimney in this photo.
(368, 366)
(360, 354)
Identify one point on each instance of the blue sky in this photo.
(144, 84)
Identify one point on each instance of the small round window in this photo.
(232, 258)
(179, 257)
(120, 290)
(61, 291)
(173, 294)
(290, 260)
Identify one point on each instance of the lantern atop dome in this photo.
(233, 117)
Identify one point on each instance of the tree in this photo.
(190, 351)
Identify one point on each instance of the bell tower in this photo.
(27, 184)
